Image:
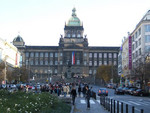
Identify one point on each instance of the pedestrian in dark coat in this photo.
(84, 90)
(88, 95)
(79, 90)
(74, 94)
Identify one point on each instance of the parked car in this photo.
(125, 90)
(131, 90)
(119, 90)
(102, 92)
(110, 85)
(140, 92)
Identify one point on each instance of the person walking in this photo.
(88, 95)
(79, 90)
(74, 94)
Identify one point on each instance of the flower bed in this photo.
(21, 102)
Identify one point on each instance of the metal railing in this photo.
(115, 106)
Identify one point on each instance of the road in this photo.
(136, 101)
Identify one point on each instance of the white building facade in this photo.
(10, 54)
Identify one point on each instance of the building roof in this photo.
(103, 48)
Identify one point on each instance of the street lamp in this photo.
(5, 74)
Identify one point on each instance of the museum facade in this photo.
(72, 55)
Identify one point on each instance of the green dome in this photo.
(74, 20)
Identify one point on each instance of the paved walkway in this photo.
(81, 106)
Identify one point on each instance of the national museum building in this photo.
(72, 55)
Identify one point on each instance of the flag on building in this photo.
(73, 58)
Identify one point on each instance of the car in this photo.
(103, 92)
(119, 90)
(125, 90)
(110, 85)
(140, 92)
(131, 90)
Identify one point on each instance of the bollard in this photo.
(121, 107)
(114, 107)
(108, 104)
(111, 106)
(100, 100)
(142, 111)
(104, 101)
(126, 108)
(132, 109)
(117, 106)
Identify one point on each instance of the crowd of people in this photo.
(64, 89)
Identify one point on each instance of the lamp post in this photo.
(5, 74)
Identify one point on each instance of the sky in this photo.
(40, 22)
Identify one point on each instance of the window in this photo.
(78, 35)
(36, 54)
(36, 62)
(56, 62)
(115, 62)
(51, 62)
(133, 38)
(147, 38)
(73, 35)
(100, 63)
(94, 72)
(46, 62)
(133, 55)
(100, 55)
(90, 55)
(55, 71)
(41, 62)
(105, 62)
(61, 54)
(78, 62)
(147, 48)
(105, 55)
(61, 63)
(31, 54)
(95, 63)
(147, 28)
(27, 54)
(140, 51)
(136, 43)
(133, 47)
(136, 53)
(110, 62)
(85, 54)
(110, 55)
(41, 54)
(115, 55)
(46, 54)
(85, 63)
(90, 63)
(140, 31)
(31, 62)
(139, 41)
(68, 35)
(95, 55)
(56, 55)
(90, 71)
(135, 35)
(51, 54)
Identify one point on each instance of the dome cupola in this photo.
(18, 41)
(74, 20)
